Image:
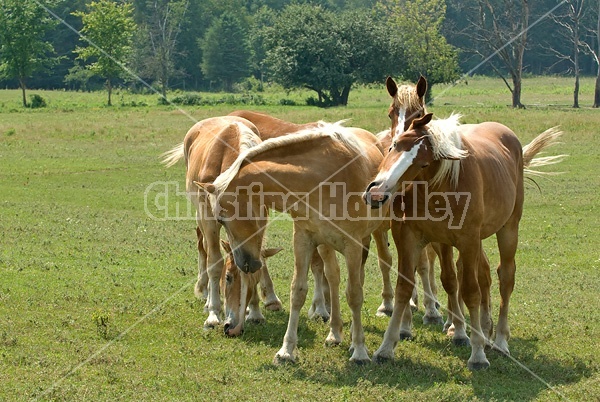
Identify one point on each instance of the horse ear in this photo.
(422, 121)
(392, 87)
(208, 187)
(421, 86)
(270, 252)
(226, 246)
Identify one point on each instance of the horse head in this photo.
(408, 104)
(409, 153)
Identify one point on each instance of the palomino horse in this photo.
(317, 177)
(209, 147)
(459, 184)
(240, 291)
(271, 127)
(408, 103)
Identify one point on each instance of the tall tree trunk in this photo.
(597, 50)
(516, 91)
(22, 84)
(576, 92)
(597, 90)
(109, 86)
(345, 94)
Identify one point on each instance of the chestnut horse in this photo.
(240, 291)
(209, 147)
(317, 177)
(459, 184)
(271, 127)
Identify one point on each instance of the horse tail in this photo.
(173, 156)
(539, 143)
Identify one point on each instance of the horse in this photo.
(209, 147)
(316, 176)
(271, 127)
(408, 103)
(459, 184)
(240, 291)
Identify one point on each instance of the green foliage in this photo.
(313, 48)
(226, 51)
(23, 48)
(108, 28)
(37, 101)
(417, 26)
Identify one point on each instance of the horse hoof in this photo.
(406, 336)
(379, 359)
(274, 306)
(461, 342)
(282, 360)
(360, 362)
(428, 320)
(478, 365)
(384, 313)
(503, 351)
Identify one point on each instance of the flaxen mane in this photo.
(447, 146)
(407, 98)
(335, 131)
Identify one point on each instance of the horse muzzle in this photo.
(246, 262)
(373, 195)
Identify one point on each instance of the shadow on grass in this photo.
(415, 369)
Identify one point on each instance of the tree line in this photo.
(326, 46)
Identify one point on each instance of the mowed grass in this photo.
(96, 299)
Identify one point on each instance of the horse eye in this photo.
(229, 278)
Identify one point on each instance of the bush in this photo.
(36, 101)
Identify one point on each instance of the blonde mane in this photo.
(407, 98)
(248, 138)
(447, 146)
(335, 131)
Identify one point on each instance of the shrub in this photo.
(36, 101)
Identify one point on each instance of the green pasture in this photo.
(96, 290)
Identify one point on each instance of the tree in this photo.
(500, 28)
(108, 28)
(417, 26)
(570, 20)
(161, 30)
(226, 51)
(311, 47)
(23, 50)
(594, 50)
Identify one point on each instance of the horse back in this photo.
(269, 126)
(211, 145)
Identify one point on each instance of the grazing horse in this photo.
(271, 127)
(209, 147)
(317, 177)
(459, 184)
(240, 291)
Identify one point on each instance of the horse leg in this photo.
(399, 325)
(318, 308)
(455, 325)
(355, 259)
(485, 282)
(384, 260)
(332, 274)
(431, 258)
(424, 267)
(507, 239)
(270, 299)
(245, 280)
(254, 313)
(214, 268)
(201, 287)
(303, 250)
(470, 253)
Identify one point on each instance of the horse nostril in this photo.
(226, 328)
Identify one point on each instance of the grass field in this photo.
(96, 299)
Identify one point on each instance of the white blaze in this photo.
(390, 178)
